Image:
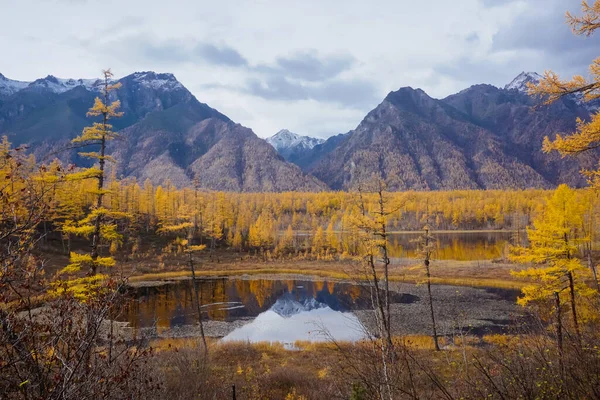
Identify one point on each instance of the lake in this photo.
(461, 246)
(284, 310)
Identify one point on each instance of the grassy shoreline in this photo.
(322, 273)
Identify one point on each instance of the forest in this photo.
(80, 246)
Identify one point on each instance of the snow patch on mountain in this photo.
(164, 82)
(10, 87)
(521, 81)
(285, 140)
(59, 85)
(157, 81)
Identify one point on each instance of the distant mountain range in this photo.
(483, 137)
(167, 133)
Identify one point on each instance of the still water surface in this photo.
(462, 246)
(283, 310)
(289, 310)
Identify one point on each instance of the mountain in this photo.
(287, 305)
(9, 87)
(218, 153)
(480, 138)
(308, 158)
(166, 133)
(521, 123)
(483, 137)
(292, 146)
(521, 81)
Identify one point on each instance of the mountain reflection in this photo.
(291, 319)
(224, 299)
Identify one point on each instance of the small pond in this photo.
(288, 310)
(276, 310)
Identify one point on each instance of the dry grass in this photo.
(462, 280)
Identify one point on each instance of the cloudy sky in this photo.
(315, 67)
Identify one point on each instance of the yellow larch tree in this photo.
(554, 242)
(182, 230)
(100, 223)
(552, 88)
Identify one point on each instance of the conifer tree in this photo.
(183, 228)
(552, 87)
(555, 239)
(425, 249)
(99, 223)
(98, 135)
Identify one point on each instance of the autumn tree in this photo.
(372, 223)
(49, 339)
(555, 239)
(99, 223)
(552, 87)
(426, 247)
(182, 227)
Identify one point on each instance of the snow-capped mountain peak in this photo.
(156, 81)
(59, 85)
(149, 79)
(9, 86)
(521, 81)
(285, 140)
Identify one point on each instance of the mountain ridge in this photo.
(483, 137)
(163, 137)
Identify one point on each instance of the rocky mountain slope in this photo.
(481, 138)
(167, 134)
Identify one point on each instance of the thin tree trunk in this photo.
(431, 311)
(198, 302)
(592, 267)
(427, 253)
(573, 305)
(386, 263)
(559, 334)
(101, 161)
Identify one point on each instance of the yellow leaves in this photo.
(95, 134)
(196, 248)
(554, 242)
(323, 373)
(105, 213)
(110, 110)
(552, 88)
(293, 395)
(87, 173)
(590, 20)
(262, 233)
(178, 228)
(80, 261)
(70, 228)
(109, 233)
(81, 288)
(586, 137)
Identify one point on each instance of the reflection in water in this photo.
(291, 319)
(171, 305)
(460, 246)
(463, 246)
